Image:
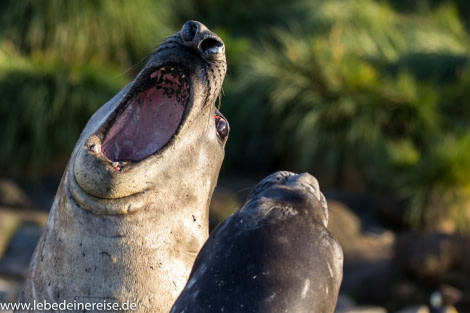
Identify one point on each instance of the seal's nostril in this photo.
(189, 31)
(211, 45)
(199, 38)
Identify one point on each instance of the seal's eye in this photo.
(222, 127)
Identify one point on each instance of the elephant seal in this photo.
(131, 211)
(273, 255)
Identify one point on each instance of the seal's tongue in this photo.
(150, 120)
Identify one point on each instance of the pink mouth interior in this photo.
(149, 121)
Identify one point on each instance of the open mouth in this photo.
(151, 118)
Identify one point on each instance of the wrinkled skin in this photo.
(273, 255)
(131, 211)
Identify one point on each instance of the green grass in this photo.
(364, 94)
(44, 107)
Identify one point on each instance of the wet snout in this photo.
(197, 36)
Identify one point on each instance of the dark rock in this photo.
(364, 309)
(11, 195)
(15, 261)
(368, 281)
(434, 257)
(11, 219)
(376, 211)
(346, 226)
(368, 267)
(346, 305)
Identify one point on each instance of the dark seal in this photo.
(131, 212)
(273, 255)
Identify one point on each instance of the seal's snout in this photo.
(201, 39)
(310, 184)
(284, 182)
(304, 180)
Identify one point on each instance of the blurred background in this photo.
(370, 96)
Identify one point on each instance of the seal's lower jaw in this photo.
(141, 126)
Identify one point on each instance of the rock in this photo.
(345, 225)
(15, 261)
(9, 289)
(15, 208)
(375, 210)
(434, 256)
(368, 281)
(365, 309)
(8, 223)
(11, 219)
(346, 305)
(12, 196)
(20, 228)
(414, 309)
(340, 216)
(344, 302)
(368, 257)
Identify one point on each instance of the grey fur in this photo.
(130, 231)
